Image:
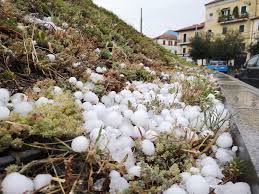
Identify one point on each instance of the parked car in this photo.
(249, 72)
(220, 66)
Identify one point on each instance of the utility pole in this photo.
(141, 20)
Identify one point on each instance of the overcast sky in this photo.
(158, 15)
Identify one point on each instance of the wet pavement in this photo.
(243, 102)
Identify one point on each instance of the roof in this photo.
(216, 1)
(193, 27)
(167, 37)
(171, 32)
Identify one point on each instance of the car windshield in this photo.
(218, 63)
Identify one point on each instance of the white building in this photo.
(168, 41)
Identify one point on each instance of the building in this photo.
(168, 40)
(234, 15)
(184, 37)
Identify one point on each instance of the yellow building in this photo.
(184, 37)
(233, 15)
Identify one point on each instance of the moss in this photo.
(62, 119)
(161, 170)
(9, 75)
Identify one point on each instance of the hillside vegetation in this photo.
(90, 35)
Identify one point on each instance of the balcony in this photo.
(184, 42)
(223, 19)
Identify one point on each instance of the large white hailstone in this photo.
(79, 84)
(107, 101)
(127, 114)
(185, 176)
(225, 140)
(41, 181)
(211, 170)
(165, 126)
(211, 97)
(214, 148)
(57, 91)
(91, 97)
(78, 103)
(95, 77)
(51, 57)
(100, 110)
(42, 100)
(234, 149)
(77, 64)
(140, 118)
(208, 160)
(113, 119)
(230, 188)
(134, 171)
(118, 184)
(78, 95)
(148, 147)
(72, 80)
(138, 132)
(92, 124)
(23, 108)
(223, 155)
(165, 113)
(90, 115)
(164, 91)
(4, 96)
(87, 106)
(4, 113)
(175, 189)
(80, 144)
(118, 98)
(126, 130)
(19, 97)
(196, 184)
(15, 183)
(100, 69)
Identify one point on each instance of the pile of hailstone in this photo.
(115, 120)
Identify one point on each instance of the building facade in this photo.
(168, 41)
(184, 37)
(234, 15)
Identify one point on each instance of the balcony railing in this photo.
(181, 41)
(230, 18)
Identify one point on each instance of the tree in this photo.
(200, 46)
(217, 47)
(234, 45)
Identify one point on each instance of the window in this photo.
(241, 28)
(211, 15)
(257, 26)
(224, 30)
(175, 43)
(243, 10)
(252, 62)
(170, 43)
(163, 42)
(225, 12)
(184, 37)
(184, 50)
